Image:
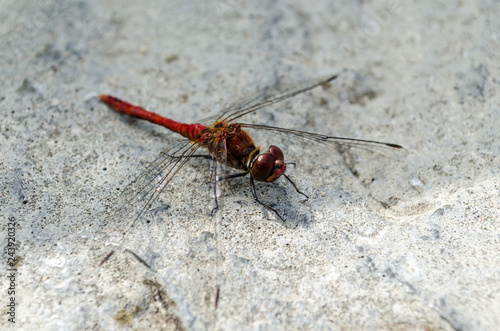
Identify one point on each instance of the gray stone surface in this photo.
(387, 240)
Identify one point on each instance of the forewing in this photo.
(270, 96)
(336, 142)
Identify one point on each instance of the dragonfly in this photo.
(226, 143)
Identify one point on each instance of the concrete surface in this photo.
(387, 240)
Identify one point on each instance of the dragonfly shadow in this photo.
(286, 204)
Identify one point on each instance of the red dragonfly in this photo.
(227, 144)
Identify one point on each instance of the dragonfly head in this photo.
(268, 166)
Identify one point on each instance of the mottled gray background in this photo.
(386, 241)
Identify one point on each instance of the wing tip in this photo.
(394, 146)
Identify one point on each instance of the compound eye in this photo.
(276, 152)
(263, 167)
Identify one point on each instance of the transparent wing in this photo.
(219, 173)
(336, 142)
(270, 96)
(138, 196)
(218, 176)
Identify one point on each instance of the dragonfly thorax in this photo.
(268, 166)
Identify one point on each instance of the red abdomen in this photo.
(190, 131)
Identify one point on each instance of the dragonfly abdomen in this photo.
(190, 131)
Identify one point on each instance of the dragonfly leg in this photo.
(232, 176)
(254, 193)
(208, 157)
(295, 186)
(214, 210)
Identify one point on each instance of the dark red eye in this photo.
(269, 166)
(262, 167)
(276, 152)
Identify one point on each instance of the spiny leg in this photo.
(214, 210)
(254, 193)
(232, 176)
(295, 186)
